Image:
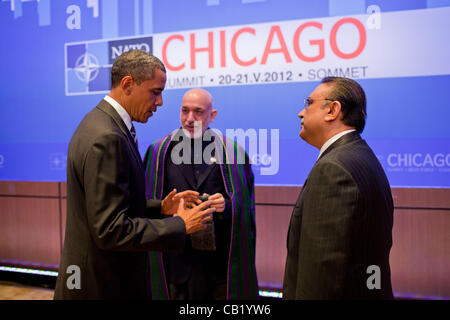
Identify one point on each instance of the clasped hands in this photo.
(187, 206)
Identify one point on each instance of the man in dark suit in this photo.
(218, 263)
(340, 232)
(108, 230)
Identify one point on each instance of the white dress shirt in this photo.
(120, 110)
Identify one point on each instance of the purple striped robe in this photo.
(238, 179)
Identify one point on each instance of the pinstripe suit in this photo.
(341, 224)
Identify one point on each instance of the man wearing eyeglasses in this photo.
(340, 233)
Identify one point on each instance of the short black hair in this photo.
(352, 98)
(138, 64)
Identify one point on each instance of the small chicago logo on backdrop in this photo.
(88, 64)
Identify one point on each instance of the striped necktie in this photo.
(133, 134)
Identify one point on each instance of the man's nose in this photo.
(190, 117)
(159, 100)
(301, 113)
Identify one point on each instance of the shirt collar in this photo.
(333, 139)
(120, 110)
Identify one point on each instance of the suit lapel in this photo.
(187, 173)
(205, 175)
(184, 169)
(108, 109)
(209, 168)
(296, 211)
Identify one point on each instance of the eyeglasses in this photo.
(309, 101)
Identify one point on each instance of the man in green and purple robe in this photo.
(219, 262)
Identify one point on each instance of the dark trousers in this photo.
(198, 286)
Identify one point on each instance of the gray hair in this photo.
(138, 64)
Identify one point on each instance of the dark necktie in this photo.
(133, 134)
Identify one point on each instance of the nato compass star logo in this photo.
(88, 63)
(87, 67)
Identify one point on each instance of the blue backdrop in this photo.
(406, 126)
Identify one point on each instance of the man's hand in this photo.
(196, 218)
(218, 202)
(171, 202)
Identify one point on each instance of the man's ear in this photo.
(127, 83)
(213, 114)
(333, 111)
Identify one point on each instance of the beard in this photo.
(198, 130)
